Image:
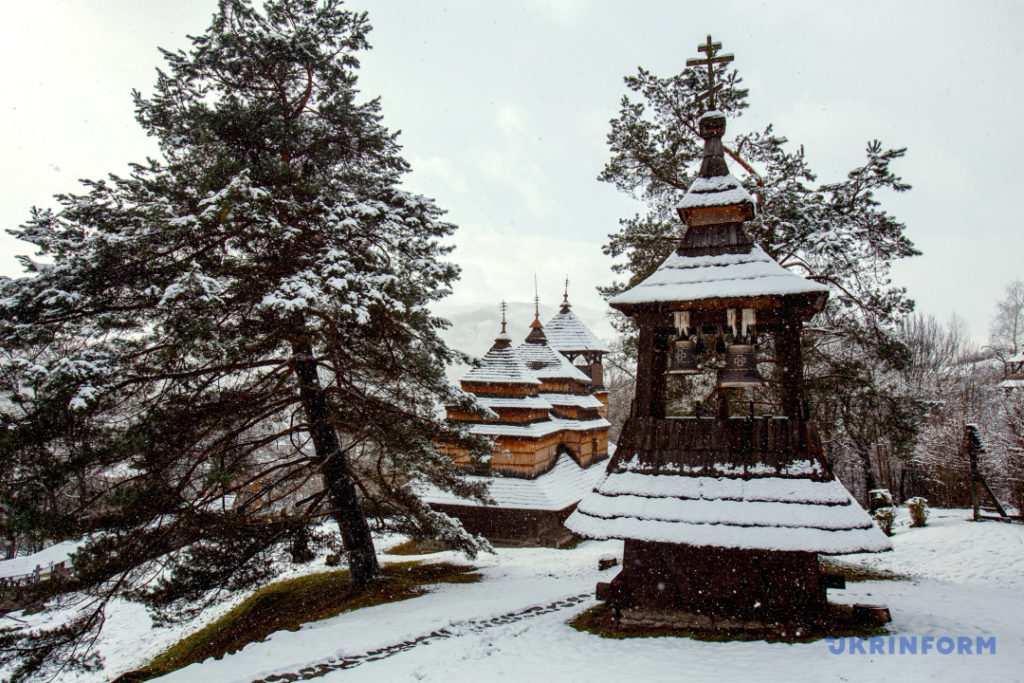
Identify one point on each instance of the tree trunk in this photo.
(869, 479)
(355, 532)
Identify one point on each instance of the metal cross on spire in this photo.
(504, 307)
(536, 303)
(565, 297)
(536, 297)
(710, 60)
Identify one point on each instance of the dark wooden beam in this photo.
(644, 366)
(652, 357)
(790, 360)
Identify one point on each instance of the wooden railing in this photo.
(712, 445)
(40, 573)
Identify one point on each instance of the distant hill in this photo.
(474, 327)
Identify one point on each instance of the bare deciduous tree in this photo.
(1007, 332)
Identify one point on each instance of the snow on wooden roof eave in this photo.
(553, 365)
(558, 489)
(805, 303)
(751, 280)
(771, 513)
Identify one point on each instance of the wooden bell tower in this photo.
(723, 516)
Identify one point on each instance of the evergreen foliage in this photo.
(231, 343)
(835, 233)
(885, 518)
(918, 508)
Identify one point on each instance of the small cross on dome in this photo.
(709, 60)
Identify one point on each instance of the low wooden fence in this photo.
(58, 570)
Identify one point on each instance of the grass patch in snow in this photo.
(424, 547)
(572, 543)
(855, 573)
(291, 603)
(598, 620)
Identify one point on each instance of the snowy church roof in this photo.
(546, 363)
(722, 190)
(567, 333)
(765, 494)
(501, 365)
(573, 400)
(538, 430)
(556, 489)
(535, 402)
(724, 276)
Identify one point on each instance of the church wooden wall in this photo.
(529, 458)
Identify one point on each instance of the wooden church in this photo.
(724, 515)
(548, 429)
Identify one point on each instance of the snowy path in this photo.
(455, 630)
(514, 582)
(970, 587)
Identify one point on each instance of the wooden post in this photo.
(652, 355)
(662, 342)
(644, 367)
(972, 455)
(791, 362)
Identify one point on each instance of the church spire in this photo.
(716, 204)
(503, 339)
(536, 335)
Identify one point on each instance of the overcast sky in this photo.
(504, 109)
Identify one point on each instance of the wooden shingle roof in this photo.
(738, 483)
(690, 279)
(568, 334)
(501, 365)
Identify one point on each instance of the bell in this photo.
(684, 358)
(740, 368)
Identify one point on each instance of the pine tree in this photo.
(835, 233)
(245, 317)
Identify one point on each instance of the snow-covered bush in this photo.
(918, 508)
(884, 518)
(880, 498)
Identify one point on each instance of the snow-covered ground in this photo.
(968, 583)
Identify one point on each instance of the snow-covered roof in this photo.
(725, 276)
(723, 190)
(536, 402)
(1012, 383)
(1019, 358)
(577, 400)
(771, 513)
(546, 363)
(738, 483)
(501, 365)
(567, 333)
(540, 429)
(556, 489)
